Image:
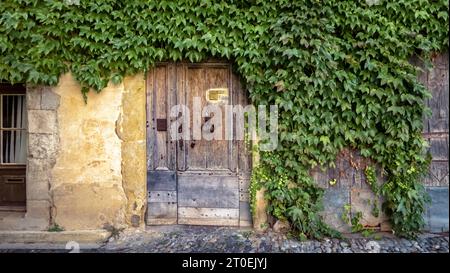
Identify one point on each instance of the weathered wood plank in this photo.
(436, 127)
(161, 181)
(217, 155)
(171, 101)
(160, 105)
(181, 100)
(195, 150)
(209, 222)
(162, 196)
(244, 182)
(199, 213)
(210, 191)
(243, 149)
(438, 83)
(438, 174)
(244, 196)
(161, 221)
(244, 211)
(244, 186)
(162, 210)
(150, 121)
(233, 159)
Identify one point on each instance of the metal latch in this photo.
(161, 124)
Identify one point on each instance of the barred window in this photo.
(13, 126)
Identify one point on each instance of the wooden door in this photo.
(205, 155)
(190, 180)
(208, 187)
(161, 153)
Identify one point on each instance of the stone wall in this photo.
(43, 140)
(86, 162)
(99, 175)
(346, 185)
(87, 178)
(131, 129)
(86, 166)
(43, 146)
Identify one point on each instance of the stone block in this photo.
(87, 206)
(260, 222)
(131, 125)
(19, 223)
(38, 189)
(334, 201)
(49, 99)
(38, 209)
(42, 121)
(42, 146)
(36, 237)
(38, 169)
(363, 200)
(34, 97)
(134, 172)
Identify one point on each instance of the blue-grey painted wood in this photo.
(161, 181)
(208, 191)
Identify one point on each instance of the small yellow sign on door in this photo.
(217, 95)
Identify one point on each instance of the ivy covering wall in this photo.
(338, 70)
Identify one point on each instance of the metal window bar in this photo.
(12, 129)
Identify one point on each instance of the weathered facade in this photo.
(85, 162)
(110, 161)
(351, 187)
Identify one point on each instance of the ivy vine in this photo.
(338, 70)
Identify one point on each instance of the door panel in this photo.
(208, 199)
(208, 191)
(12, 187)
(161, 163)
(204, 154)
(161, 181)
(194, 150)
(218, 155)
(162, 95)
(208, 216)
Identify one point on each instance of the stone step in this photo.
(63, 237)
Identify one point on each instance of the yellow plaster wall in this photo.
(99, 174)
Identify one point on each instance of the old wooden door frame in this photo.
(168, 193)
(13, 175)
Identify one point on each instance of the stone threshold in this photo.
(59, 238)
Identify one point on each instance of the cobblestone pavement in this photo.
(214, 239)
(186, 239)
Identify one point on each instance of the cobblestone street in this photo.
(196, 239)
(213, 239)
